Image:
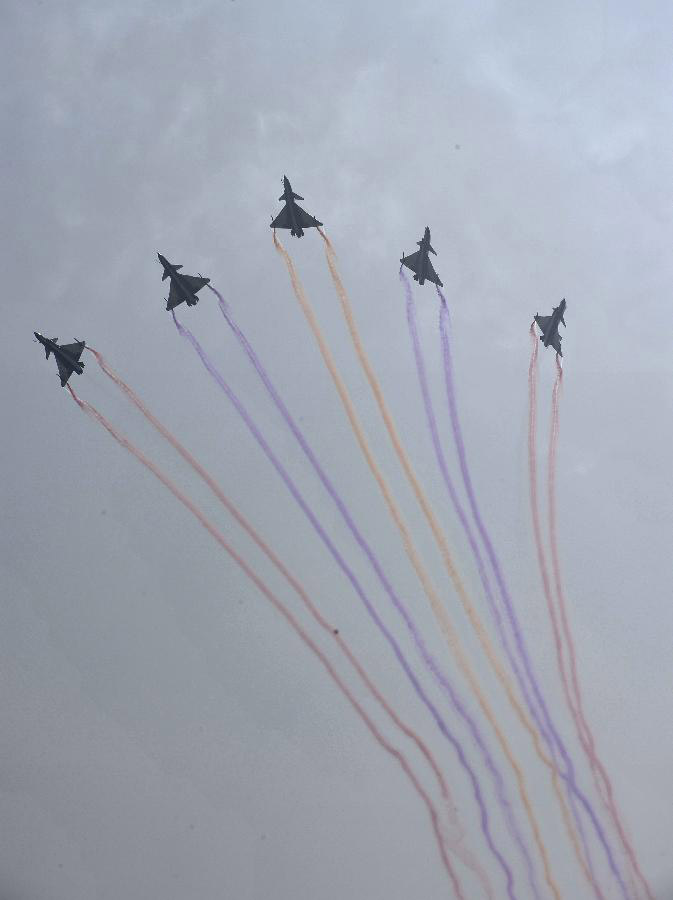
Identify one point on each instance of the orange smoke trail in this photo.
(409, 546)
(290, 619)
(459, 851)
(601, 777)
(449, 565)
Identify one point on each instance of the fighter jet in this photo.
(292, 216)
(184, 288)
(548, 325)
(420, 264)
(66, 355)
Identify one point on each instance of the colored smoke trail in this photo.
(455, 846)
(534, 501)
(549, 733)
(438, 608)
(401, 608)
(441, 461)
(542, 561)
(353, 528)
(289, 618)
(583, 729)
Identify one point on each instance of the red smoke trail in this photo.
(461, 853)
(601, 776)
(544, 573)
(287, 615)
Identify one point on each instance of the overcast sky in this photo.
(163, 732)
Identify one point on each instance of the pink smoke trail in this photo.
(534, 503)
(280, 607)
(581, 850)
(401, 608)
(584, 732)
(460, 852)
(539, 544)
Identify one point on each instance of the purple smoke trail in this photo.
(428, 659)
(550, 733)
(287, 615)
(441, 461)
(458, 507)
(341, 562)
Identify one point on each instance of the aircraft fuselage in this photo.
(288, 196)
(52, 347)
(188, 296)
(556, 318)
(296, 229)
(424, 244)
(424, 265)
(171, 272)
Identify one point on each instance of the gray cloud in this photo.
(163, 732)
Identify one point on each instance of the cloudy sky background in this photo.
(163, 732)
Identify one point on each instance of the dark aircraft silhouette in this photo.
(292, 216)
(184, 288)
(419, 262)
(66, 355)
(548, 325)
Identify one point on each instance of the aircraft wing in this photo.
(283, 219)
(304, 220)
(75, 350)
(431, 275)
(64, 371)
(543, 322)
(412, 261)
(174, 296)
(194, 282)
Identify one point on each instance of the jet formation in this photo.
(548, 325)
(419, 262)
(184, 288)
(67, 356)
(291, 215)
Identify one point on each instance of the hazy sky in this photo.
(164, 734)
